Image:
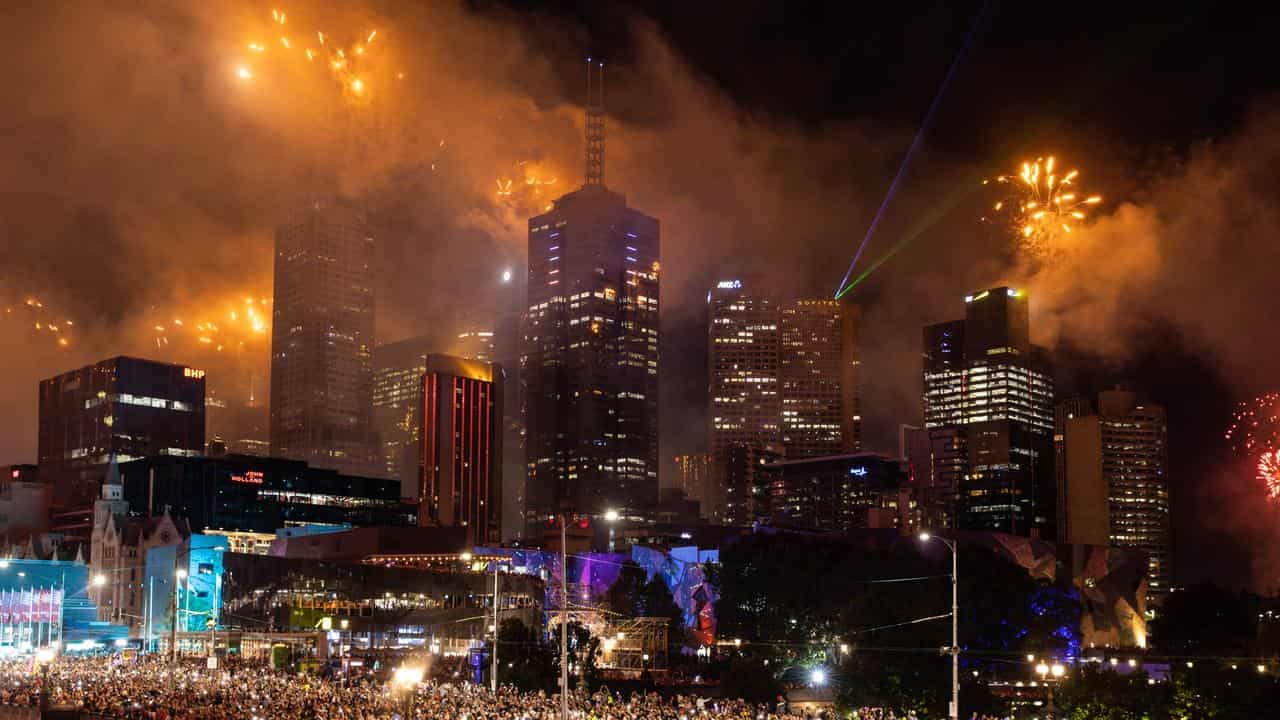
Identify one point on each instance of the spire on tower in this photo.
(595, 123)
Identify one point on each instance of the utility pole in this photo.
(564, 621)
(954, 650)
(178, 575)
(493, 657)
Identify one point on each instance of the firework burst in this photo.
(229, 326)
(1269, 473)
(1042, 205)
(1254, 435)
(351, 64)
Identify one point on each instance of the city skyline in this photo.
(1143, 313)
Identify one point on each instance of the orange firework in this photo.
(1269, 473)
(1043, 205)
(341, 62)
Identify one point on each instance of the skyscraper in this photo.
(322, 340)
(817, 378)
(1117, 490)
(745, 402)
(462, 447)
(590, 360)
(397, 408)
(694, 479)
(983, 374)
(123, 408)
(782, 377)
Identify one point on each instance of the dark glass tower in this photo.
(590, 357)
(982, 375)
(322, 340)
(123, 407)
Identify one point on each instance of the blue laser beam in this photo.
(911, 150)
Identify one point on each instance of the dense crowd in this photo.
(112, 687)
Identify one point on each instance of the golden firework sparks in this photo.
(1269, 473)
(1042, 205)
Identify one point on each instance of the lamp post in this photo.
(955, 623)
(493, 656)
(564, 620)
(178, 576)
(45, 657)
(1044, 670)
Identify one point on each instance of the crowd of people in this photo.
(114, 687)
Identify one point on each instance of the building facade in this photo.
(124, 408)
(239, 493)
(694, 479)
(983, 377)
(322, 340)
(782, 379)
(1117, 485)
(397, 403)
(24, 502)
(461, 449)
(840, 492)
(590, 357)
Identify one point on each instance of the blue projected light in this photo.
(858, 471)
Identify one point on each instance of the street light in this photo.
(611, 515)
(407, 677)
(179, 575)
(99, 580)
(465, 557)
(818, 677)
(1044, 670)
(44, 656)
(955, 622)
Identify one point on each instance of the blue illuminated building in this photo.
(186, 578)
(46, 602)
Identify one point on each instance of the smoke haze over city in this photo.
(150, 154)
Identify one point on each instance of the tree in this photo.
(798, 599)
(626, 595)
(1205, 619)
(659, 603)
(528, 661)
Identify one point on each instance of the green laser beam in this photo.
(962, 190)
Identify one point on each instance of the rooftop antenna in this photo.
(595, 124)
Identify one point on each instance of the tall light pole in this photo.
(955, 623)
(178, 576)
(493, 656)
(564, 620)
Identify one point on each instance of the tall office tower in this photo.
(782, 381)
(322, 340)
(817, 378)
(590, 348)
(944, 374)
(1065, 410)
(476, 343)
(123, 407)
(590, 360)
(693, 472)
(235, 423)
(397, 408)
(745, 410)
(1117, 481)
(938, 461)
(462, 447)
(982, 373)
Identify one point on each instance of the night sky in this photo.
(137, 175)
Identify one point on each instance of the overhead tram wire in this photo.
(911, 150)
